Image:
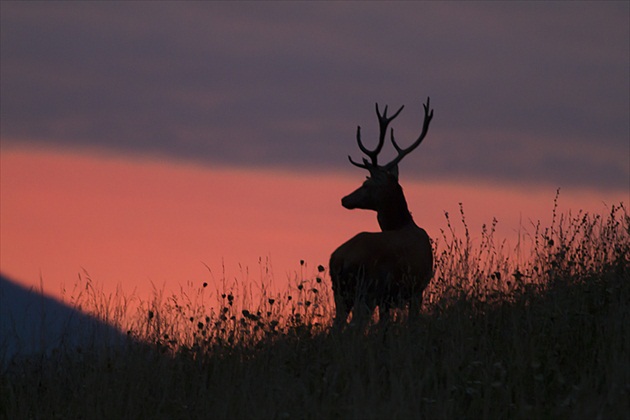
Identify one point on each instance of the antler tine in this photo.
(383, 122)
(365, 165)
(428, 115)
(371, 153)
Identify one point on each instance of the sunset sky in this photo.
(142, 142)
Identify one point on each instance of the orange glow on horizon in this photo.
(140, 222)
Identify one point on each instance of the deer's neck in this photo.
(395, 215)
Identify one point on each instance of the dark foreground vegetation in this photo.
(542, 332)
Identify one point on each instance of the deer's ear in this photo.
(393, 171)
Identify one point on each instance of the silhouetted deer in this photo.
(389, 268)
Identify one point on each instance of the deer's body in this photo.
(390, 268)
(385, 269)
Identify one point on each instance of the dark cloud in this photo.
(523, 92)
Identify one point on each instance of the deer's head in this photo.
(381, 191)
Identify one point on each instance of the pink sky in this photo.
(138, 222)
(144, 141)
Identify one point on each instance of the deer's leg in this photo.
(361, 313)
(415, 306)
(343, 306)
(364, 303)
(384, 312)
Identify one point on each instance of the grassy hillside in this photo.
(537, 332)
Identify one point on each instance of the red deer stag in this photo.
(388, 269)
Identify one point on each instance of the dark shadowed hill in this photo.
(35, 324)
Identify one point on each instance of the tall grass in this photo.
(541, 331)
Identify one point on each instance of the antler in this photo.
(383, 122)
(428, 115)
